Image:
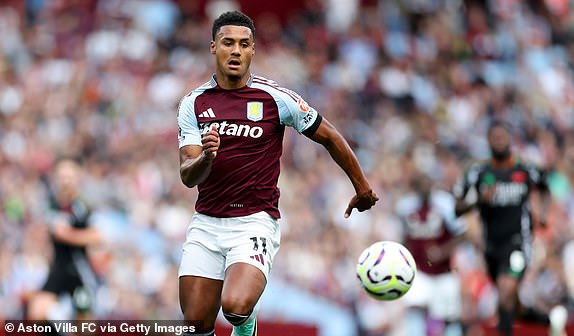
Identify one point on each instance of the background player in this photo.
(71, 278)
(504, 185)
(431, 233)
(230, 139)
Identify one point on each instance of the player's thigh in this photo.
(202, 254)
(201, 274)
(251, 250)
(242, 288)
(200, 299)
(200, 285)
(254, 240)
(510, 265)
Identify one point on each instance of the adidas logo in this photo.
(258, 257)
(207, 114)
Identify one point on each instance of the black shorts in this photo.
(509, 259)
(63, 279)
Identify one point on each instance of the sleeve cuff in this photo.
(314, 126)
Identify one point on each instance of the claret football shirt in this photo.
(251, 122)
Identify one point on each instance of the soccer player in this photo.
(503, 186)
(431, 233)
(71, 278)
(230, 141)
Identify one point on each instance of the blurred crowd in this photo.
(411, 84)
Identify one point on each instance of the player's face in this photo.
(423, 185)
(233, 49)
(66, 179)
(499, 141)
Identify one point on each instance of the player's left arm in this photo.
(328, 136)
(295, 112)
(539, 179)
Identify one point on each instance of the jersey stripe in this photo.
(207, 85)
(274, 85)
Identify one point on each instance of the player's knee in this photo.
(236, 310)
(237, 304)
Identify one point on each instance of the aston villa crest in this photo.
(254, 111)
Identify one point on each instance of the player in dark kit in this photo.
(70, 273)
(230, 141)
(503, 187)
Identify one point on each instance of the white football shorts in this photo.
(439, 293)
(213, 244)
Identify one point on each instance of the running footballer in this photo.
(230, 142)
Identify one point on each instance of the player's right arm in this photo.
(77, 237)
(196, 151)
(63, 231)
(461, 189)
(195, 161)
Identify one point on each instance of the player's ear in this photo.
(212, 47)
(253, 47)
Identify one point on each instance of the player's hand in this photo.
(210, 142)
(363, 201)
(487, 194)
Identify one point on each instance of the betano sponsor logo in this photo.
(225, 128)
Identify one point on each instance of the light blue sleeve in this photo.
(293, 110)
(188, 129)
(445, 203)
(296, 113)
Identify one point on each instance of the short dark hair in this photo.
(498, 124)
(233, 18)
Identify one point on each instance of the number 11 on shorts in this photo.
(256, 240)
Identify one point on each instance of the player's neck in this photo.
(231, 83)
(503, 163)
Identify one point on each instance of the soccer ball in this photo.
(386, 270)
